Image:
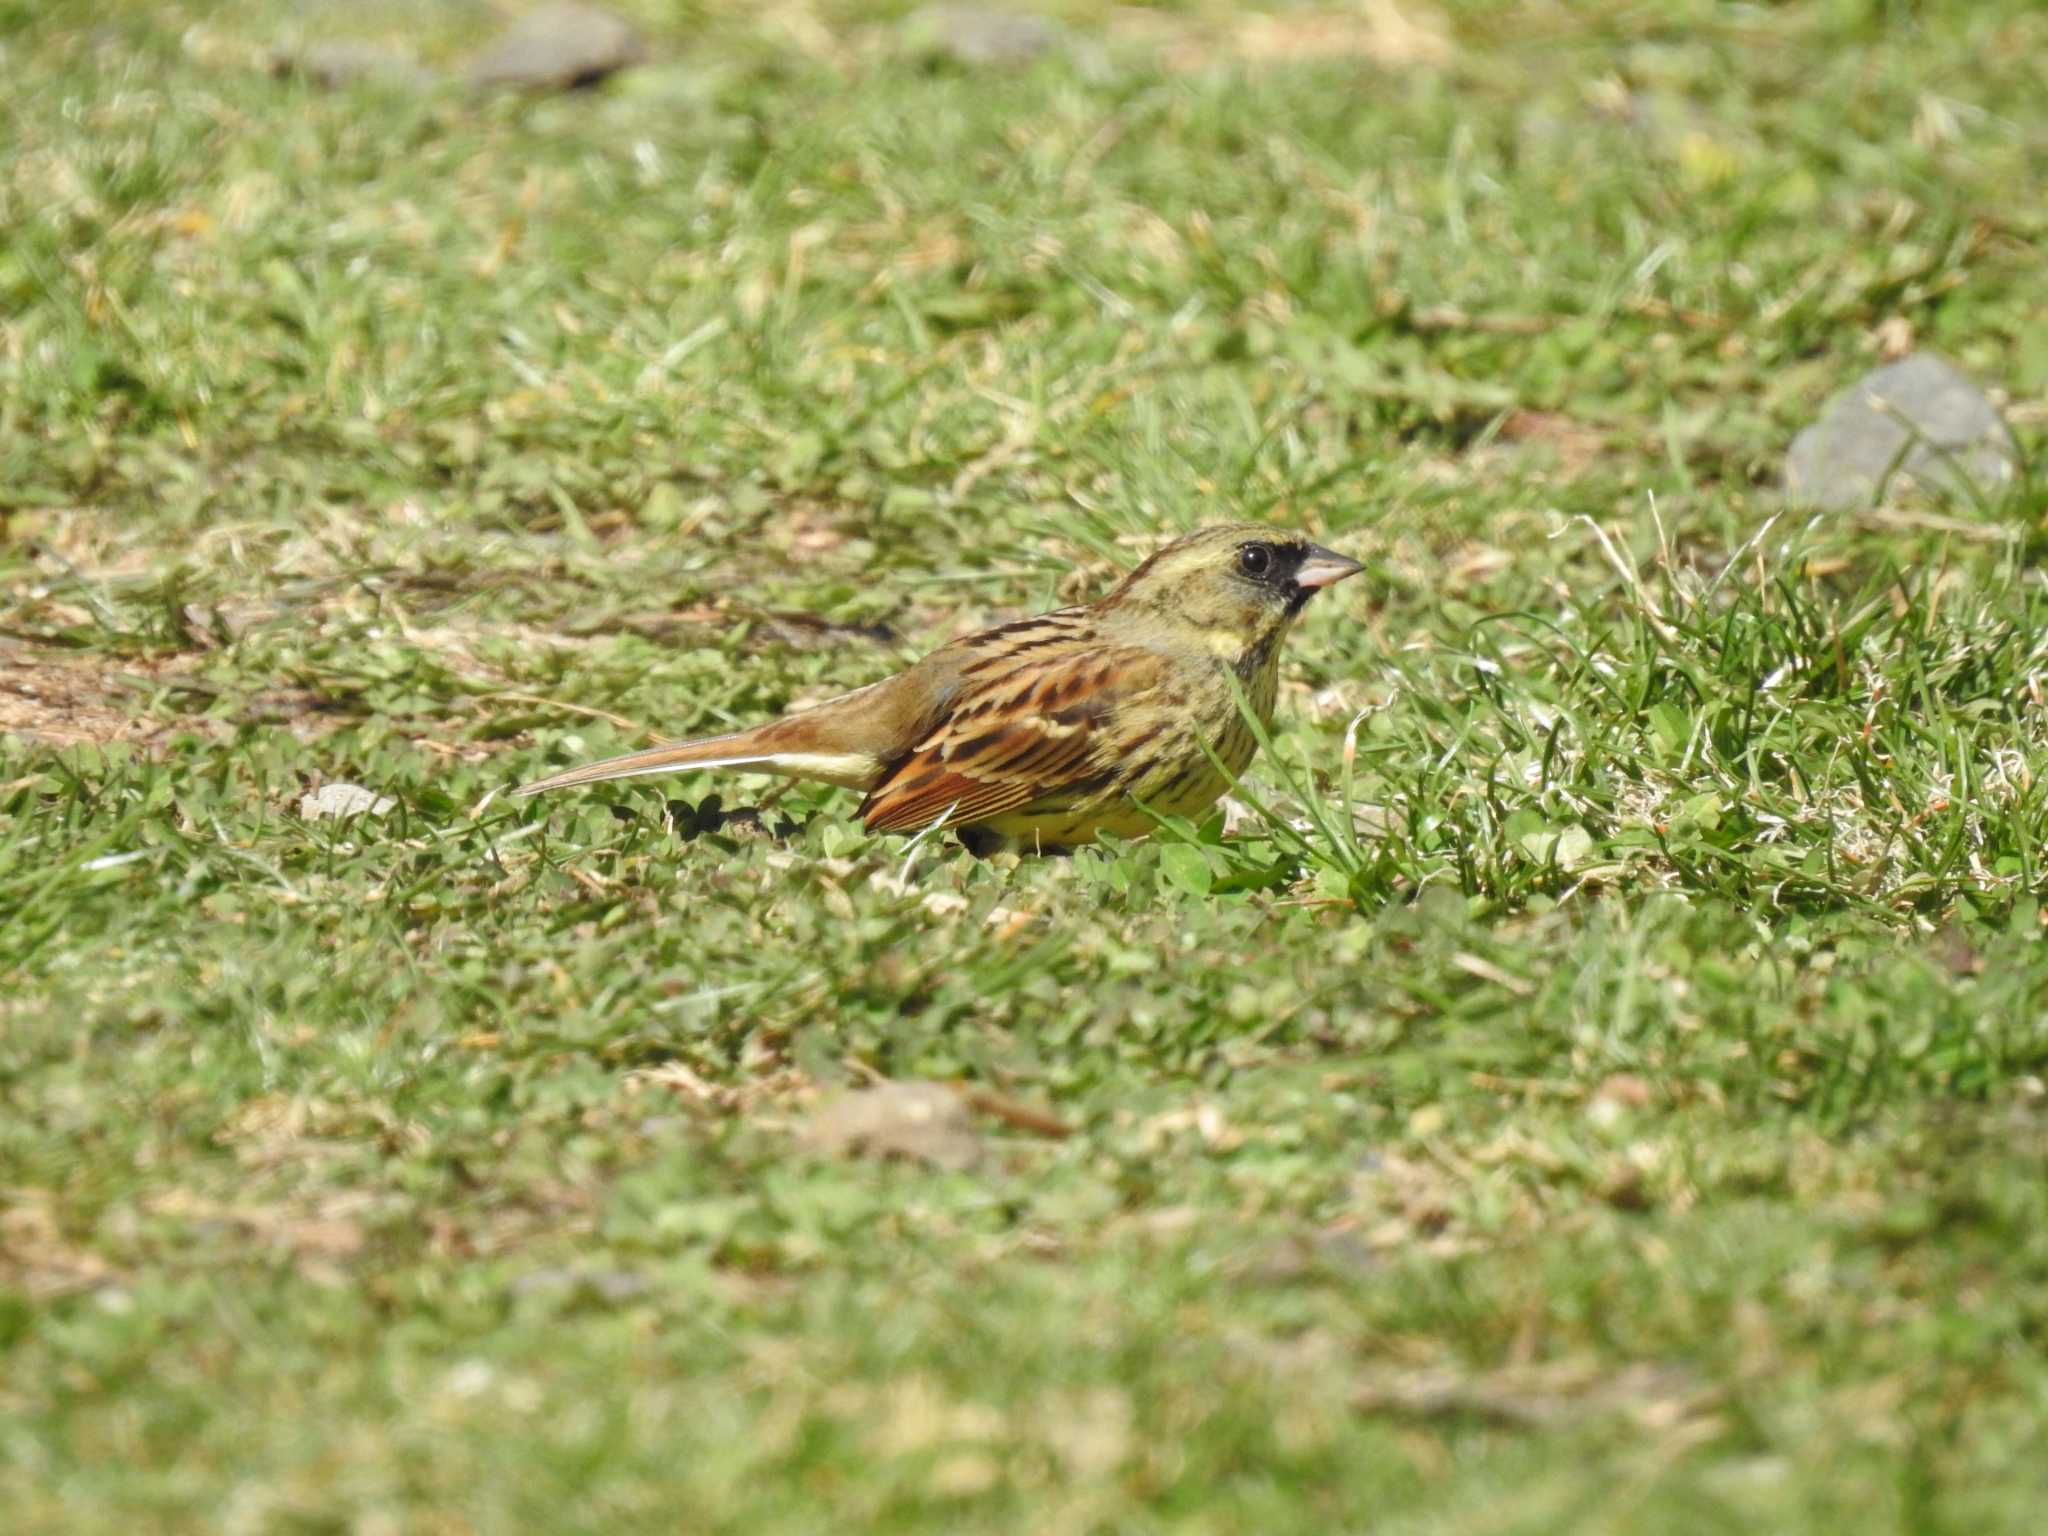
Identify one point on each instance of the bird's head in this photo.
(1238, 588)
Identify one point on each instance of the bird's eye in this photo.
(1255, 559)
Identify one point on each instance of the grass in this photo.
(1598, 1085)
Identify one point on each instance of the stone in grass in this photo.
(1919, 420)
(558, 47)
(980, 35)
(343, 800)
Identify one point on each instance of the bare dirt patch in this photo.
(68, 699)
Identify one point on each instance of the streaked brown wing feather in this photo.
(1017, 732)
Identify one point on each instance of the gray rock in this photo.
(332, 66)
(981, 35)
(343, 800)
(1918, 420)
(557, 47)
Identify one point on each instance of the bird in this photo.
(1040, 734)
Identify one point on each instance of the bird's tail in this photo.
(788, 747)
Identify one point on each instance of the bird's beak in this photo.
(1324, 567)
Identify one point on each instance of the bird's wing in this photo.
(1031, 719)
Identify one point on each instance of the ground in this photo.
(1598, 1084)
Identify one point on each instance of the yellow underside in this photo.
(1119, 816)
